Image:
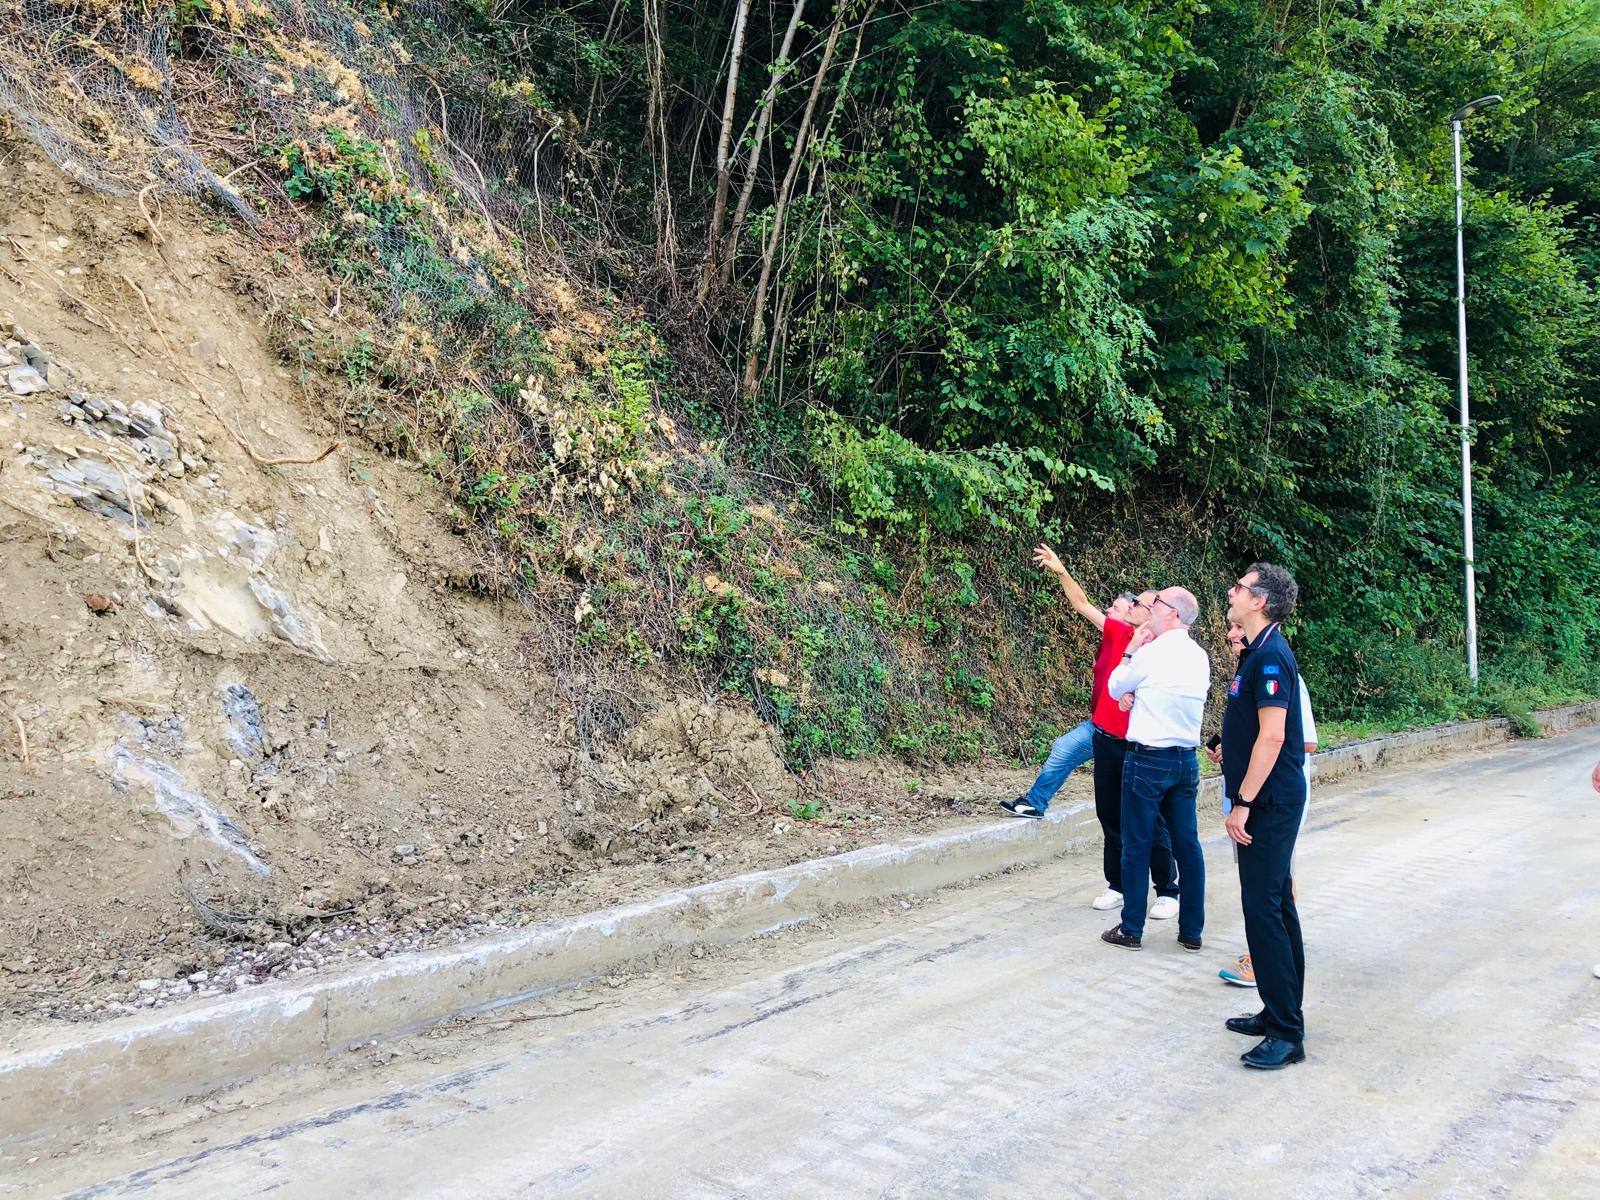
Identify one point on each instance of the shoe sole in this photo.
(1124, 945)
(1162, 916)
(1011, 812)
(1273, 1066)
(1236, 982)
(1190, 949)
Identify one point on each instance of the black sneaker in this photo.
(1020, 808)
(1116, 936)
(1190, 944)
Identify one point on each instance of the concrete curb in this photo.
(85, 1075)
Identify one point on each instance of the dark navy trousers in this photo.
(1271, 923)
(1109, 755)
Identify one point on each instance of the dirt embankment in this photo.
(262, 729)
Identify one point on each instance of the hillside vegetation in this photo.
(755, 343)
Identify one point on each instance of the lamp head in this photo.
(1476, 106)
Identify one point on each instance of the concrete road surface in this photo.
(985, 1043)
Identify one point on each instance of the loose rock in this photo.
(25, 381)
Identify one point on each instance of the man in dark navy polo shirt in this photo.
(1264, 793)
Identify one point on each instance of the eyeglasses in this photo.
(1159, 600)
(1255, 589)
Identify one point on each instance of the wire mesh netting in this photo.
(250, 105)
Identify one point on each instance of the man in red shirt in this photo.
(1110, 745)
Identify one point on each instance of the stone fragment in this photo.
(25, 381)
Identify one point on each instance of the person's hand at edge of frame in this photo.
(1047, 559)
(1235, 824)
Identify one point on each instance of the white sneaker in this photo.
(1108, 899)
(1164, 909)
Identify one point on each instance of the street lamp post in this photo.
(1471, 583)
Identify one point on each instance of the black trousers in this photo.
(1109, 753)
(1271, 923)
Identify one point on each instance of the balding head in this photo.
(1173, 608)
(1183, 603)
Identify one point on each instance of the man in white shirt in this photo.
(1168, 676)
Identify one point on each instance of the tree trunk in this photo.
(656, 132)
(594, 86)
(844, 87)
(719, 207)
(724, 267)
(769, 253)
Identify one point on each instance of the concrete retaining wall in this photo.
(87, 1073)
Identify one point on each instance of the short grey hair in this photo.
(1128, 596)
(1277, 587)
(1187, 608)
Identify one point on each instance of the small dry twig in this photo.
(153, 222)
(133, 509)
(22, 735)
(754, 795)
(520, 1017)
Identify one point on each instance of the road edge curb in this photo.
(65, 1080)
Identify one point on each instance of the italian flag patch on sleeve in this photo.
(1272, 687)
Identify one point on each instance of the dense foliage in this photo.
(1190, 258)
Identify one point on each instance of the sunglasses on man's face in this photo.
(1159, 600)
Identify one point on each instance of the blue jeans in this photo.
(1067, 753)
(1161, 784)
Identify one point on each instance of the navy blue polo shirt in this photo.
(1267, 676)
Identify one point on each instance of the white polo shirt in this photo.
(1169, 678)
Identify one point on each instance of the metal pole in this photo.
(1466, 428)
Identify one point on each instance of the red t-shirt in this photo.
(1106, 713)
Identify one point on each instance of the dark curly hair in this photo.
(1277, 587)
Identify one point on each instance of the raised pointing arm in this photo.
(1047, 558)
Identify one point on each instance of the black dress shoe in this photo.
(1251, 1026)
(1273, 1054)
(1117, 936)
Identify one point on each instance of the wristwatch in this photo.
(1244, 803)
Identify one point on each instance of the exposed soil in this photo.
(263, 729)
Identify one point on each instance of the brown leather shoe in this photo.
(1116, 937)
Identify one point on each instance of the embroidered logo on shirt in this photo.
(1233, 686)
(1272, 687)
(1270, 669)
